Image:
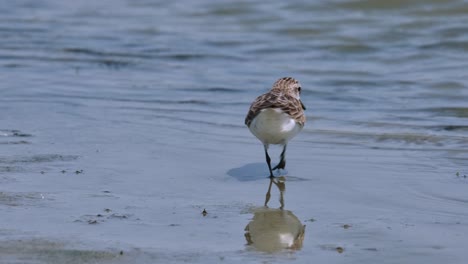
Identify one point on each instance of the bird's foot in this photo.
(281, 165)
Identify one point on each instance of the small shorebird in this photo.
(277, 116)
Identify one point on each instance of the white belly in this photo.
(273, 126)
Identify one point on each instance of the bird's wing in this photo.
(288, 104)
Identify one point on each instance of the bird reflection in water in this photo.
(274, 229)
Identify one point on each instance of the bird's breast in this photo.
(274, 126)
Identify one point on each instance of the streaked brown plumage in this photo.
(277, 116)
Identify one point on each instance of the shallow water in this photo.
(120, 121)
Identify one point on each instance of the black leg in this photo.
(268, 160)
(282, 163)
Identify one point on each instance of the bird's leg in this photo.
(268, 160)
(282, 163)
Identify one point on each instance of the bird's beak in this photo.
(303, 107)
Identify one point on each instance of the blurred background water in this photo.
(379, 78)
(375, 74)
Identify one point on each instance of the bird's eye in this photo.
(299, 89)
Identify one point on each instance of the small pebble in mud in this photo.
(107, 210)
(99, 215)
(346, 226)
(79, 171)
(121, 252)
(63, 171)
(118, 216)
(339, 249)
(92, 222)
(204, 213)
(42, 172)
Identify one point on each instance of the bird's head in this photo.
(289, 86)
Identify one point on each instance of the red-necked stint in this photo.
(277, 116)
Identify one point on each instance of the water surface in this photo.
(120, 121)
